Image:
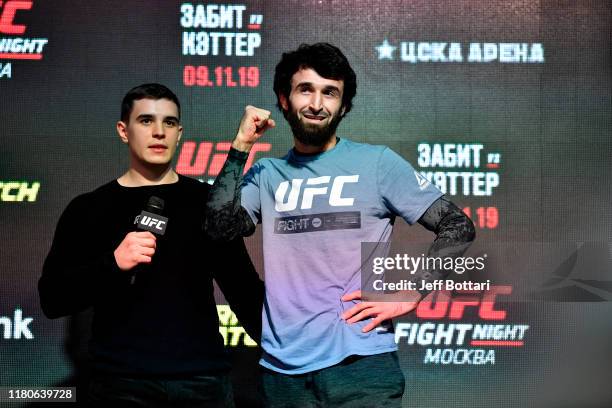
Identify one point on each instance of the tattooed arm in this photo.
(454, 234)
(226, 219)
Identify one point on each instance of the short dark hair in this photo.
(326, 59)
(146, 91)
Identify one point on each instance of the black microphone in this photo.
(150, 219)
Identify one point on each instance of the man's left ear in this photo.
(180, 134)
(342, 112)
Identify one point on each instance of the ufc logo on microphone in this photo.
(154, 223)
(318, 186)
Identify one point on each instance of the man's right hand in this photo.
(253, 124)
(136, 247)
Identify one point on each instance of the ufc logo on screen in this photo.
(194, 157)
(8, 9)
(318, 186)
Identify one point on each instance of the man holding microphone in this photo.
(155, 335)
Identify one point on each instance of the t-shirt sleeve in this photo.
(404, 191)
(250, 197)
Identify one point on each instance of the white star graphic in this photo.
(385, 50)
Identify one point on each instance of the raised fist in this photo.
(253, 124)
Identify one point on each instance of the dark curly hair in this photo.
(146, 91)
(327, 60)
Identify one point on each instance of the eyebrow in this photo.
(326, 88)
(332, 88)
(150, 116)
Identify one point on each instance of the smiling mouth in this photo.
(314, 117)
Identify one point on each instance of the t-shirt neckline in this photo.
(293, 155)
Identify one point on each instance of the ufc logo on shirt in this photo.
(319, 186)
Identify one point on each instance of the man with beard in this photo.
(317, 205)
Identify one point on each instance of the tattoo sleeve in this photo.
(454, 234)
(225, 218)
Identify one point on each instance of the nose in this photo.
(316, 102)
(158, 130)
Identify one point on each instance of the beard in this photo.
(312, 134)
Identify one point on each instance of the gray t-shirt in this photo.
(315, 213)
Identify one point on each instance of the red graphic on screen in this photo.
(195, 158)
(7, 16)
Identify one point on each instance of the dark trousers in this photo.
(358, 381)
(195, 391)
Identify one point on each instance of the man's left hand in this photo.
(394, 305)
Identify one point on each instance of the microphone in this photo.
(150, 219)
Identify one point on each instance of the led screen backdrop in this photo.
(505, 105)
